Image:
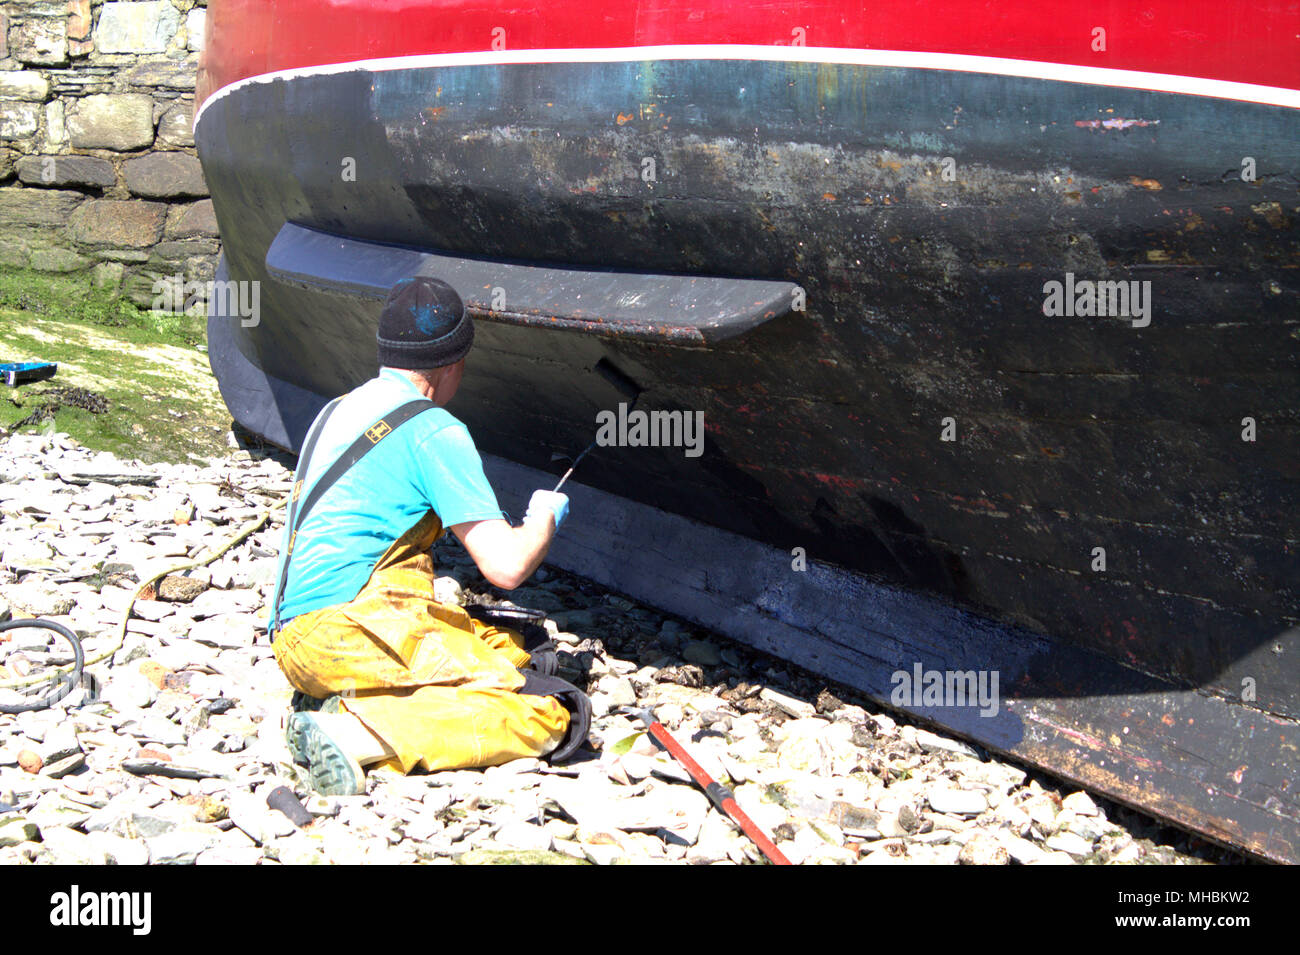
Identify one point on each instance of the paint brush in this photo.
(625, 386)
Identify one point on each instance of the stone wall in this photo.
(98, 174)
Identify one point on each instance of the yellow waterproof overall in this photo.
(437, 686)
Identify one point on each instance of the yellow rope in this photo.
(104, 654)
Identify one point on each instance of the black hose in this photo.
(509, 616)
(67, 682)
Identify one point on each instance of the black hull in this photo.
(924, 302)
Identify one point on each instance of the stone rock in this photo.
(129, 690)
(165, 175)
(108, 275)
(40, 598)
(207, 808)
(118, 121)
(66, 171)
(799, 709)
(814, 746)
(1042, 811)
(176, 127)
(196, 219)
(984, 849)
(57, 769)
(1130, 854)
(15, 829)
(702, 653)
(39, 41)
(19, 120)
(60, 743)
(525, 836)
(143, 26)
(1080, 804)
(127, 818)
(446, 590)
(70, 847)
(24, 85)
(195, 24)
(114, 222)
(957, 802)
(53, 810)
(13, 252)
(30, 762)
(933, 743)
(118, 850)
(1070, 843)
(182, 845)
(1020, 850)
(180, 589)
(172, 74)
(229, 855)
(56, 130)
(57, 260)
(79, 22)
(677, 810)
(258, 821)
(1090, 828)
(224, 631)
(619, 690)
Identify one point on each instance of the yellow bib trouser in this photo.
(437, 686)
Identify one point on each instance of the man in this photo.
(408, 681)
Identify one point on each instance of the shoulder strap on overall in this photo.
(355, 452)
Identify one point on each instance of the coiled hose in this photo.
(65, 680)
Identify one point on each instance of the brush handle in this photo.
(573, 466)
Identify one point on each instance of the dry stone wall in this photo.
(98, 173)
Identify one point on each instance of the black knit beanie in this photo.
(423, 325)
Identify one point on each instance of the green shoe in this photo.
(302, 703)
(333, 772)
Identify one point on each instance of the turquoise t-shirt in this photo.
(430, 462)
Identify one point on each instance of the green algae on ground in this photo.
(163, 401)
(517, 857)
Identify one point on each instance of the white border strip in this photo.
(959, 62)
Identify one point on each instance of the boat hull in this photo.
(1099, 488)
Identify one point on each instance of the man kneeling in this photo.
(393, 675)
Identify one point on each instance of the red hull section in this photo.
(1196, 38)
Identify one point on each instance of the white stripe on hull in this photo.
(907, 59)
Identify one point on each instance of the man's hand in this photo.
(547, 503)
(507, 556)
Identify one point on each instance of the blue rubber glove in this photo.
(544, 504)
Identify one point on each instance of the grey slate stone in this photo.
(19, 120)
(172, 74)
(114, 222)
(39, 41)
(176, 127)
(198, 219)
(118, 121)
(140, 27)
(165, 175)
(66, 171)
(25, 85)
